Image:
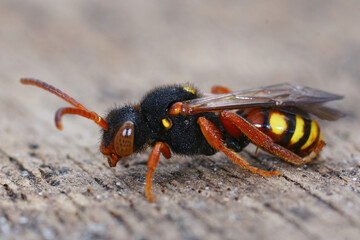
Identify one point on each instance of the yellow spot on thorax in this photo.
(313, 135)
(299, 130)
(190, 89)
(278, 123)
(166, 123)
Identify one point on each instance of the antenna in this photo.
(78, 110)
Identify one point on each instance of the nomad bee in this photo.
(177, 118)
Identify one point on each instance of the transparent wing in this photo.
(287, 96)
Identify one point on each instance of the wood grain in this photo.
(56, 185)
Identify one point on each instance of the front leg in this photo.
(159, 147)
(214, 137)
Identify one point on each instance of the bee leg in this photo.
(219, 90)
(214, 137)
(263, 141)
(159, 147)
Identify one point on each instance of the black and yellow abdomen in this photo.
(298, 134)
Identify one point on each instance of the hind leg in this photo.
(214, 137)
(263, 141)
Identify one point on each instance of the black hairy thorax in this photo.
(184, 136)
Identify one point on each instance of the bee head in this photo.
(127, 133)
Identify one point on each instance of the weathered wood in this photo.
(57, 185)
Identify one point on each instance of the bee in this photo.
(179, 119)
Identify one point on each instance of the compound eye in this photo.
(124, 139)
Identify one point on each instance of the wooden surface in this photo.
(56, 185)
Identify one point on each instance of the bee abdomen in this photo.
(289, 130)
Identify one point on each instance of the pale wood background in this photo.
(57, 185)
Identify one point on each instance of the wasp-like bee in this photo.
(177, 118)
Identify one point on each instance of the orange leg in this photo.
(264, 141)
(214, 137)
(159, 147)
(219, 90)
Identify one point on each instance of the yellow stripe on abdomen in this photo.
(314, 131)
(278, 122)
(299, 130)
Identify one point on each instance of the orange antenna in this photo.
(78, 110)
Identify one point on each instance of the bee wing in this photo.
(323, 112)
(285, 96)
(317, 110)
